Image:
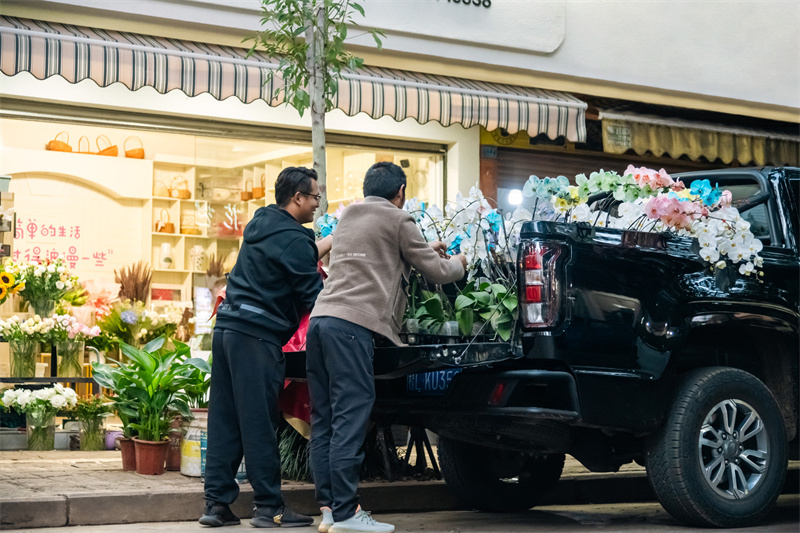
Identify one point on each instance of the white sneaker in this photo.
(360, 522)
(327, 520)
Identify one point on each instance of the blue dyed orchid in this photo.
(494, 220)
(709, 196)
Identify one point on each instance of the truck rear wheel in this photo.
(495, 480)
(720, 458)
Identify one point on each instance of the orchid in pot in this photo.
(23, 338)
(45, 282)
(40, 408)
(69, 339)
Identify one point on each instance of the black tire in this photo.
(495, 480)
(744, 457)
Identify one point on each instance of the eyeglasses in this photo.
(315, 196)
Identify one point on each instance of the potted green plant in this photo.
(155, 379)
(90, 413)
(113, 377)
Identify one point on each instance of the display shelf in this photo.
(162, 234)
(175, 270)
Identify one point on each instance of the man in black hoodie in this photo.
(274, 282)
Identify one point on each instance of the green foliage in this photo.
(491, 302)
(91, 408)
(295, 455)
(433, 311)
(199, 382)
(152, 386)
(285, 24)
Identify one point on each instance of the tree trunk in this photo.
(316, 38)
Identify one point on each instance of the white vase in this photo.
(198, 257)
(165, 261)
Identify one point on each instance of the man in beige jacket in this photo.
(375, 246)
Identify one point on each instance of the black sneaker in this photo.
(218, 515)
(281, 517)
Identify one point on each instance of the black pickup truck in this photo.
(637, 353)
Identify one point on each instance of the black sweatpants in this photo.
(246, 376)
(340, 380)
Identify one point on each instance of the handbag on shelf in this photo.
(80, 145)
(247, 194)
(133, 153)
(110, 150)
(57, 145)
(260, 192)
(181, 190)
(164, 226)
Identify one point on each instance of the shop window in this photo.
(182, 205)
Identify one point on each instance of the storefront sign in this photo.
(482, 3)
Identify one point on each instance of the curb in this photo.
(84, 509)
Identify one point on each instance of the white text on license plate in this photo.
(435, 382)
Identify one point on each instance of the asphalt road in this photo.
(574, 518)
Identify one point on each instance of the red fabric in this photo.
(295, 399)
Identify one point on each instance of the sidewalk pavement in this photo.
(60, 488)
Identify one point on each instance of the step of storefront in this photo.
(52, 489)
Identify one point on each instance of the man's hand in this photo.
(440, 248)
(462, 258)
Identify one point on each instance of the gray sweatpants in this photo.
(342, 387)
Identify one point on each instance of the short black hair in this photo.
(384, 179)
(290, 181)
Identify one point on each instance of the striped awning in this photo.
(76, 53)
(675, 137)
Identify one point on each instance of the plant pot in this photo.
(70, 358)
(174, 448)
(191, 447)
(41, 430)
(22, 353)
(92, 435)
(128, 450)
(111, 439)
(151, 456)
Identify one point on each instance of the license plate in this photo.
(431, 383)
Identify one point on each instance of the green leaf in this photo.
(377, 41)
(465, 320)
(155, 344)
(198, 363)
(482, 298)
(499, 290)
(358, 8)
(463, 301)
(510, 302)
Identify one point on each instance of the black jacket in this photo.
(275, 279)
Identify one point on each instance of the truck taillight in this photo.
(540, 302)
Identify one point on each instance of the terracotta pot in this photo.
(126, 446)
(150, 456)
(174, 448)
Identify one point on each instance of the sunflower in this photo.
(19, 287)
(3, 294)
(6, 279)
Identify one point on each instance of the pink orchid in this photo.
(725, 199)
